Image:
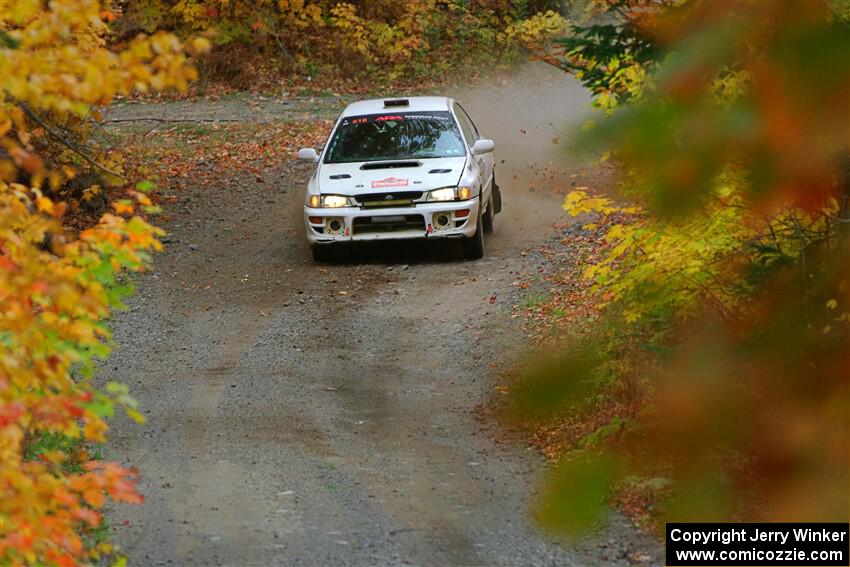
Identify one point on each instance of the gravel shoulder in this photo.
(304, 414)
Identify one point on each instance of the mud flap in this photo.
(497, 199)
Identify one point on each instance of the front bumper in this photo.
(451, 219)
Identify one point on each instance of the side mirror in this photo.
(483, 146)
(308, 154)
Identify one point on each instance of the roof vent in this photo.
(396, 102)
(389, 164)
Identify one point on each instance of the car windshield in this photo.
(398, 135)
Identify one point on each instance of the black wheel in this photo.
(473, 247)
(489, 217)
(496, 197)
(322, 253)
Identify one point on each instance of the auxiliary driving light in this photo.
(443, 221)
(334, 226)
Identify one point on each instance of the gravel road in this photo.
(304, 414)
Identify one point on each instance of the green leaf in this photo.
(574, 494)
(145, 186)
(101, 406)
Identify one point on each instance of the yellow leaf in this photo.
(135, 415)
(44, 205)
(631, 315)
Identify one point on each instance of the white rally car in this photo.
(402, 168)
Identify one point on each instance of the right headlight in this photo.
(461, 193)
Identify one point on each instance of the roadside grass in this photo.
(534, 301)
(75, 448)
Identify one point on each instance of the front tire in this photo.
(322, 253)
(489, 217)
(496, 197)
(473, 246)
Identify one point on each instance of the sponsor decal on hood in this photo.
(390, 182)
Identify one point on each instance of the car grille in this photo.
(388, 199)
(388, 224)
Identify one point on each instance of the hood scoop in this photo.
(389, 165)
(440, 171)
(340, 176)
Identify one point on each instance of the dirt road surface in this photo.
(304, 414)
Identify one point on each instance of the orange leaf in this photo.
(123, 207)
(94, 497)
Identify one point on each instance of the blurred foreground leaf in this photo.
(552, 383)
(574, 493)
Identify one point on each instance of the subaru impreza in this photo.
(402, 168)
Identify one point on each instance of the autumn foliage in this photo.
(722, 355)
(57, 288)
(371, 40)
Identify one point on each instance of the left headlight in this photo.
(329, 201)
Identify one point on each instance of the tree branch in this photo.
(67, 143)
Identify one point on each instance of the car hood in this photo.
(390, 176)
